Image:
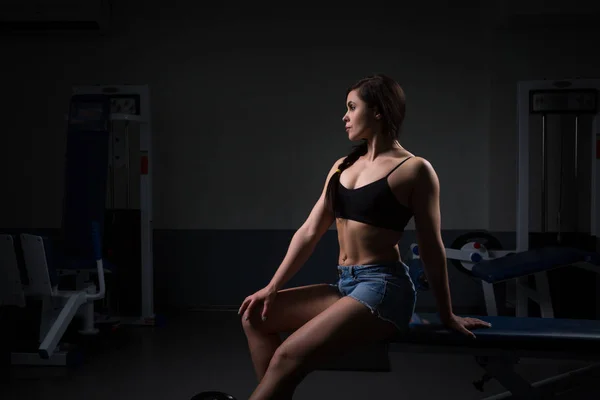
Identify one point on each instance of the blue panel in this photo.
(85, 175)
(531, 262)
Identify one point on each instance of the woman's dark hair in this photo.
(384, 95)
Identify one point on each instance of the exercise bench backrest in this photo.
(11, 285)
(42, 277)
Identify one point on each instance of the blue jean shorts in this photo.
(386, 289)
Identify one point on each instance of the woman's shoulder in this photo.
(420, 162)
(424, 173)
(411, 160)
(413, 168)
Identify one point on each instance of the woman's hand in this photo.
(264, 296)
(464, 325)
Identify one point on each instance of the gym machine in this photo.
(37, 265)
(558, 174)
(106, 229)
(128, 234)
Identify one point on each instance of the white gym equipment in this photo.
(59, 307)
(127, 118)
(541, 99)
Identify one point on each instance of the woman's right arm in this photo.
(305, 239)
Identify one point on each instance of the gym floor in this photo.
(207, 350)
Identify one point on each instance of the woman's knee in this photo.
(253, 323)
(250, 324)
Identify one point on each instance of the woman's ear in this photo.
(376, 113)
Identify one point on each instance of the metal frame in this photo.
(147, 316)
(499, 364)
(523, 113)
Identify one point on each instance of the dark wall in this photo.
(247, 106)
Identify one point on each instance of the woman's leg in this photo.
(346, 324)
(291, 309)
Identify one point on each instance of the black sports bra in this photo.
(374, 204)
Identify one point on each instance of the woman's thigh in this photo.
(293, 308)
(345, 326)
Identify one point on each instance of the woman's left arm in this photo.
(425, 203)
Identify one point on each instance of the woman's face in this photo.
(361, 121)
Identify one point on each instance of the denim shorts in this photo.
(386, 289)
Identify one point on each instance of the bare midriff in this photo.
(362, 244)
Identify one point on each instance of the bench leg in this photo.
(518, 388)
(490, 298)
(522, 299)
(540, 295)
(502, 369)
(545, 301)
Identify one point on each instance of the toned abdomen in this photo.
(365, 244)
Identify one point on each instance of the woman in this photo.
(371, 194)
